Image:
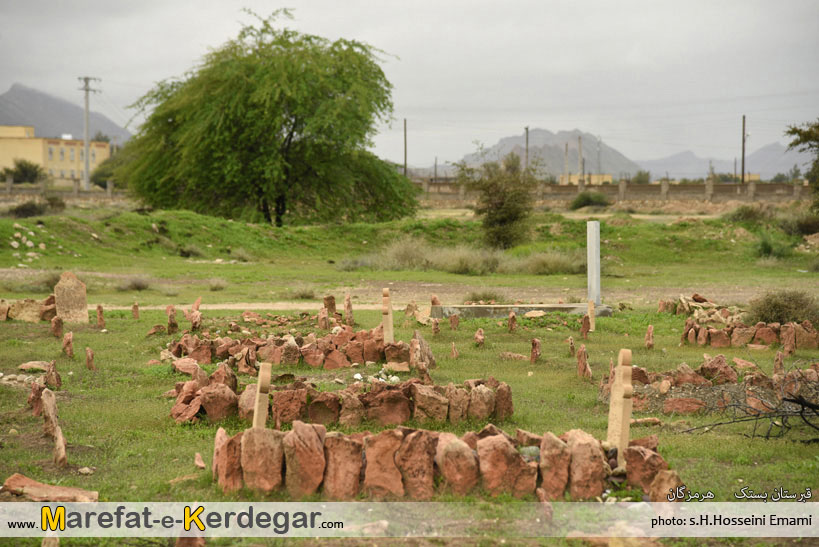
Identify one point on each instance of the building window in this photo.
(82, 155)
(71, 154)
(50, 153)
(72, 173)
(62, 154)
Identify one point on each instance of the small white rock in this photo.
(85, 471)
(15, 245)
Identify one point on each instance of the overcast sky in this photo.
(652, 78)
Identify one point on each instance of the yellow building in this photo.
(63, 159)
(591, 178)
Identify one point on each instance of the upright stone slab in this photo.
(620, 406)
(100, 317)
(593, 260)
(135, 310)
(330, 304)
(71, 299)
(386, 317)
(262, 396)
(348, 311)
(591, 315)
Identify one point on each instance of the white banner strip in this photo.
(408, 519)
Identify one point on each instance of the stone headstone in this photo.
(262, 396)
(434, 300)
(68, 344)
(89, 359)
(436, 329)
(535, 355)
(454, 351)
(650, 337)
(620, 406)
(330, 304)
(100, 317)
(386, 317)
(585, 327)
(71, 299)
(348, 310)
(173, 326)
(135, 311)
(583, 368)
(323, 319)
(571, 346)
(513, 321)
(454, 321)
(57, 327)
(591, 315)
(479, 338)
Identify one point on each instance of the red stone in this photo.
(325, 408)
(387, 407)
(414, 459)
(503, 468)
(555, 458)
(382, 477)
(227, 461)
(683, 405)
(642, 466)
(586, 470)
(219, 401)
(335, 359)
(343, 466)
(304, 458)
(458, 465)
(289, 405)
(262, 459)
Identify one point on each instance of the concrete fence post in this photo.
(425, 186)
(9, 183)
(664, 190)
(109, 188)
(44, 186)
(621, 190)
(593, 260)
(76, 187)
(752, 191)
(709, 190)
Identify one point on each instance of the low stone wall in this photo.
(790, 335)
(216, 397)
(405, 463)
(717, 385)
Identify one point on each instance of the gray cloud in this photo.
(652, 78)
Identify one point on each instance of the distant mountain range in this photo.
(52, 116)
(549, 149)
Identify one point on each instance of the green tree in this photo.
(795, 173)
(24, 171)
(641, 177)
(805, 138)
(272, 122)
(780, 177)
(505, 198)
(99, 136)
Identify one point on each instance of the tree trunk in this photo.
(281, 207)
(265, 207)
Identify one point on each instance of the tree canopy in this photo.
(273, 122)
(504, 198)
(805, 138)
(24, 171)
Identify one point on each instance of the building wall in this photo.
(591, 178)
(63, 159)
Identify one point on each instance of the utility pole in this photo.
(579, 155)
(435, 171)
(735, 169)
(526, 158)
(86, 80)
(405, 147)
(599, 167)
(566, 162)
(743, 149)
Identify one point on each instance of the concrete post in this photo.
(593, 260)
(621, 190)
(76, 187)
(581, 184)
(9, 182)
(109, 188)
(44, 186)
(425, 186)
(709, 190)
(664, 190)
(751, 191)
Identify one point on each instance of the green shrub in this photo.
(302, 293)
(217, 284)
(134, 284)
(28, 209)
(484, 296)
(547, 263)
(55, 203)
(748, 214)
(783, 307)
(802, 225)
(586, 199)
(814, 266)
(241, 255)
(767, 246)
(190, 250)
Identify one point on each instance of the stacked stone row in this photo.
(404, 463)
(216, 396)
(790, 335)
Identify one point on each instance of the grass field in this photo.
(116, 421)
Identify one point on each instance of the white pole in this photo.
(593, 260)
